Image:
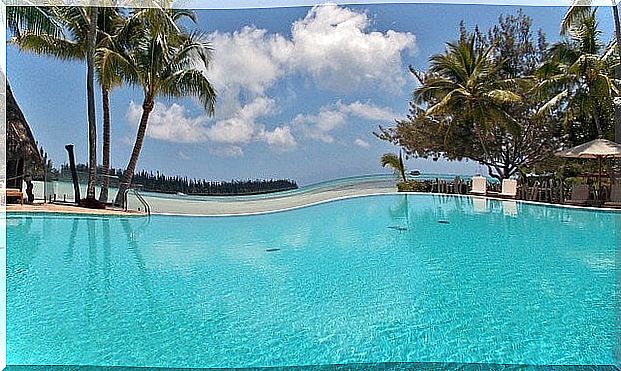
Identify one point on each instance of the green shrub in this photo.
(414, 186)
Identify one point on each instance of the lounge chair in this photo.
(479, 185)
(615, 196)
(14, 192)
(580, 195)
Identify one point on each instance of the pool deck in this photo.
(222, 206)
(68, 209)
(236, 207)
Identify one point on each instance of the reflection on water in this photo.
(71, 245)
(135, 252)
(29, 243)
(107, 252)
(510, 207)
(479, 204)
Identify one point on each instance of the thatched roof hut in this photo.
(22, 154)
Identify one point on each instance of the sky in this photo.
(300, 92)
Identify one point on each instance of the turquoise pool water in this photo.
(391, 278)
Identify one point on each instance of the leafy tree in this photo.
(473, 102)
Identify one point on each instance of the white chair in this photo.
(479, 185)
(509, 188)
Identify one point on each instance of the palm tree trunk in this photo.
(74, 173)
(128, 175)
(598, 124)
(105, 105)
(402, 166)
(615, 15)
(90, 91)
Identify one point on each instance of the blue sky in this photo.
(300, 91)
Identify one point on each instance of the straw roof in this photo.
(19, 138)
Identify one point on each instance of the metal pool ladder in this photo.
(144, 203)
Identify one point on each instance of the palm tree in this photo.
(578, 78)
(75, 47)
(110, 35)
(463, 84)
(581, 9)
(91, 45)
(165, 62)
(395, 162)
(78, 41)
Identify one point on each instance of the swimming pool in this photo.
(391, 278)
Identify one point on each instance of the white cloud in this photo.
(227, 151)
(170, 123)
(362, 143)
(333, 44)
(174, 124)
(280, 138)
(367, 111)
(319, 126)
(250, 58)
(182, 155)
(241, 128)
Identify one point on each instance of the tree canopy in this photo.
(506, 99)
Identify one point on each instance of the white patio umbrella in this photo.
(595, 149)
(598, 149)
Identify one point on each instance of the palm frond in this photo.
(576, 11)
(114, 68)
(49, 45)
(447, 102)
(190, 83)
(503, 96)
(553, 102)
(393, 161)
(33, 19)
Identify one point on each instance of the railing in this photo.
(547, 189)
(139, 197)
(52, 189)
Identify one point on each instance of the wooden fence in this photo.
(550, 190)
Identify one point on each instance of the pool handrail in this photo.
(141, 199)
